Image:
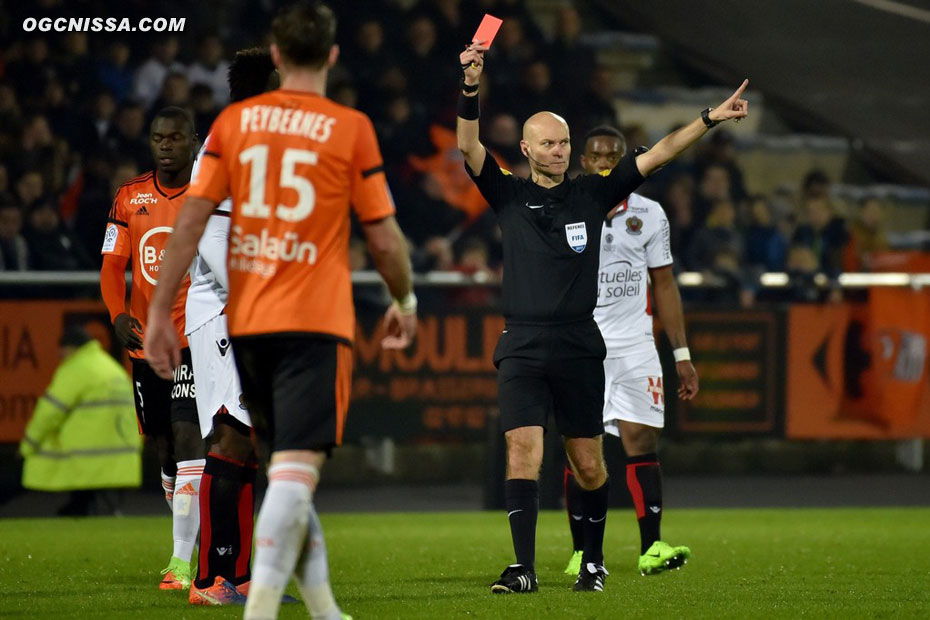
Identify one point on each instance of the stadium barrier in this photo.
(797, 371)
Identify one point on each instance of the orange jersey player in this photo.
(294, 164)
(140, 224)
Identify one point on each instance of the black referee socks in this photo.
(594, 512)
(522, 500)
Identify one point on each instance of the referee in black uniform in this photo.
(550, 355)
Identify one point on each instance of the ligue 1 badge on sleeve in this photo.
(634, 225)
(577, 236)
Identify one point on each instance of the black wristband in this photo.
(469, 88)
(468, 107)
(705, 116)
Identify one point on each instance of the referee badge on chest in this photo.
(577, 236)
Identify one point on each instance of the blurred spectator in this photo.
(114, 72)
(571, 60)
(203, 107)
(404, 130)
(175, 91)
(766, 247)
(5, 194)
(595, 104)
(802, 266)
(59, 111)
(503, 138)
(473, 261)
(51, 247)
(38, 151)
(101, 181)
(719, 151)
(368, 61)
(867, 235)
(14, 253)
(344, 93)
(29, 187)
(678, 203)
(436, 255)
(211, 68)
(148, 79)
(717, 234)
(127, 137)
(510, 54)
(82, 435)
(713, 186)
(536, 93)
(9, 117)
(816, 186)
(825, 234)
(433, 71)
(29, 73)
(75, 66)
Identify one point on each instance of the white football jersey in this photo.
(206, 297)
(635, 240)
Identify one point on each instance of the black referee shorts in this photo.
(160, 402)
(297, 388)
(552, 368)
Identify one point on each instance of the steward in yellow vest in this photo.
(83, 433)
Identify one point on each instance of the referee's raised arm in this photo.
(472, 61)
(672, 145)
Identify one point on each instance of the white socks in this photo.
(313, 574)
(167, 483)
(186, 508)
(280, 537)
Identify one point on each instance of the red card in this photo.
(487, 30)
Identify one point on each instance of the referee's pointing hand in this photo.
(732, 108)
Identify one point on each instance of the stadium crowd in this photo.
(75, 109)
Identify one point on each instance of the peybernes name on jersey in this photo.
(286, 121)
(142, 199)
(247, 251)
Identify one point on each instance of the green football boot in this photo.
(662, 556)
(574, 564)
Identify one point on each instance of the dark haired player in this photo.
(635, 256)
(294, 163)
(141, 222)
(550, 356)
(227, 500)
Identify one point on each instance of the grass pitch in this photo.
(850, 563)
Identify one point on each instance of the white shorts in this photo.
(633, 390)
(215, 375)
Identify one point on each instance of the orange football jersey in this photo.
(140, 222)
(294, 163)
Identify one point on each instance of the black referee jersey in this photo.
(551, 238)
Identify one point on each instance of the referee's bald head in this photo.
(547, 144)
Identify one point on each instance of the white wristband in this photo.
(407, 305)
(682, 354)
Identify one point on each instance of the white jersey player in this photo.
(218, 389)
(636, 256)
(227, 497)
